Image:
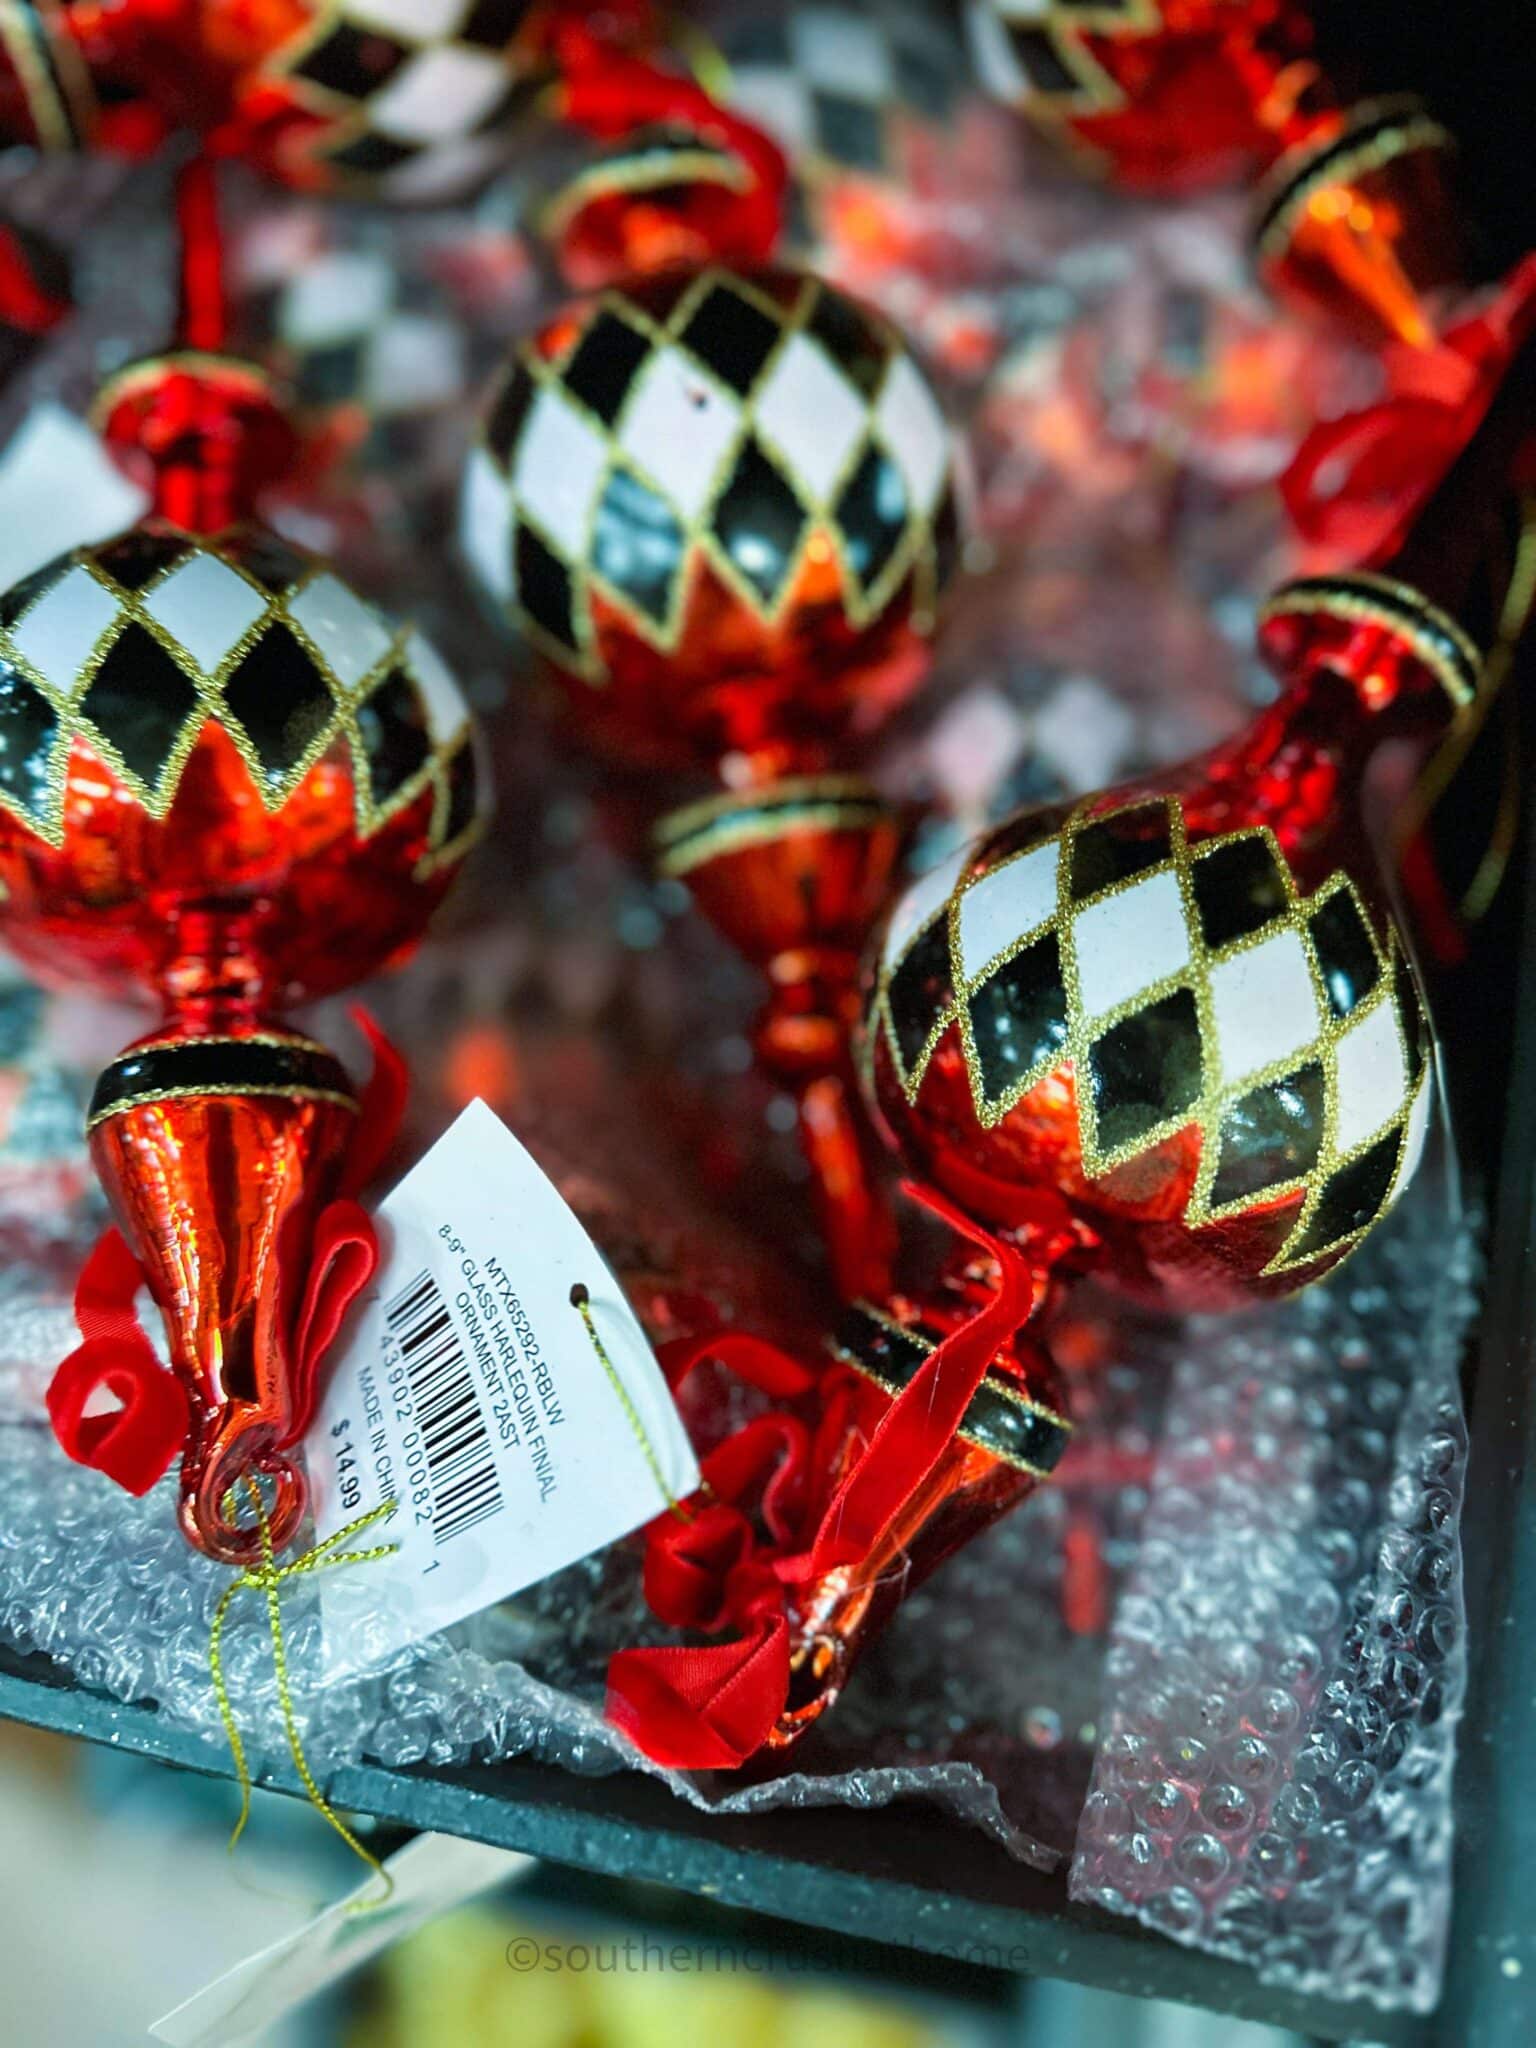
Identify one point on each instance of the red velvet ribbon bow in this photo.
(1355, 483)
(711, 1707)
(136, 1442)
(703, 1707)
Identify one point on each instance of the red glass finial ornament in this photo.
(1170, 1033)
(1182, 1009)
(719, 508)
(228, 785)
(1354, 213)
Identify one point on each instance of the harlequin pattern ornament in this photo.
(1223, 1062)
(393, 97)
(719, 507)
(1168, 1033)
(1183, 1005)
(227, 785)
(1353, 214)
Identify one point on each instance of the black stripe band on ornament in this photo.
(1432, 636)
(1001, 1419)
(219, 1066)
(1394, 128)
(698, 834)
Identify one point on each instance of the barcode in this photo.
(466, 1487)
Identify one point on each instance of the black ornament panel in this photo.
(1145, 1071)
(29, 730)
(1238, 888)
(1345, 954)
(140, 702)
(1019, 1017)
(281, 700)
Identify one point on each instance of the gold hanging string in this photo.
(267, 1578)
(581, 1301)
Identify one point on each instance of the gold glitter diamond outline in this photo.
(915, 554)
(1215, 1097)
(208, 687)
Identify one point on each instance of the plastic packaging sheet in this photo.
(1288, 1656)
(1271, 1729)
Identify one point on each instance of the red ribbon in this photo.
(1356, 482)
(25, 302)
(921, 1422)
(705, 1709)
(710, 1707)
(380, 1109)
(136, 1443)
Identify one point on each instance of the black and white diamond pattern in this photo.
(133, 645)
(721, 418)
(1032, 54)
(346, 329)
(410, 92)
(831, 82)
(1186, 983)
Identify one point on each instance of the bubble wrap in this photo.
(1271, 1730)
(1288, 1657)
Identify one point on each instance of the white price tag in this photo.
(473, 1395)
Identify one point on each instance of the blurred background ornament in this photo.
(862, 99)
(383, 98)
(1354, 215)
